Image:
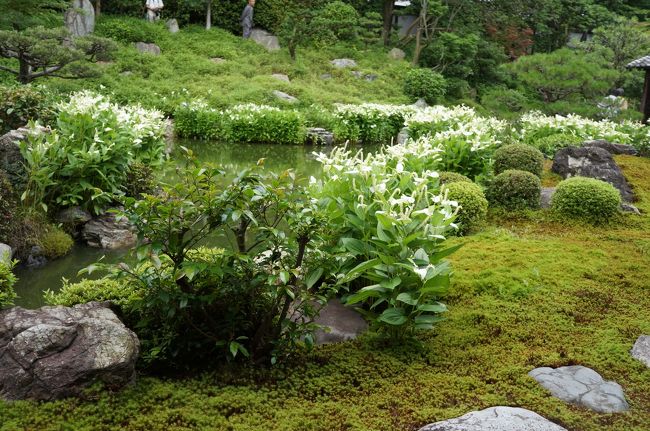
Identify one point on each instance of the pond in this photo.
(231, 158)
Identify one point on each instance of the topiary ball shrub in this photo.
(472, 202)
(520, 157)
(515, 190)
(446, 177)
(586, 198)
(425, 84)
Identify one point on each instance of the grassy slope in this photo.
(527, 293)
(185, 70)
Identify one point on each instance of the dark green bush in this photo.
(19, 105)
(55, 243)
(586, 198)
(139, 180)
(8, 209)
(550, 144)
(426, 84)
(263, 125)
(515, 190)
(505, 102)
(130, 30)
(519, 157)
(452, 177)
(7, 281)
(473, 205)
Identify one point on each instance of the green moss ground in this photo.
(528, 292)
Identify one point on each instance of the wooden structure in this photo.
(644, 63)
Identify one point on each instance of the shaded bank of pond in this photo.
(231, 158)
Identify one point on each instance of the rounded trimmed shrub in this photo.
(426, 84)
(520, 157)
(586, 198)
(446, 177)
(515, 190)
(55, 243)
(473, 205)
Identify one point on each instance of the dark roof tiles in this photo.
(640, 63)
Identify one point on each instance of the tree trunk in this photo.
(98, 8)
(422, 23)
(388, 20)
(208, 15)
(24, 74)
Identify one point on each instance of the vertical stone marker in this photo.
(80, 18)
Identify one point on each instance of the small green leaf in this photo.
(313, 277)
(393, 316)
(407, 298)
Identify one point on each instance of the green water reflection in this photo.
(231, 158)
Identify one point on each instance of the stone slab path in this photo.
(582, 386)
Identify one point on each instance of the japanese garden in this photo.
(359, 215)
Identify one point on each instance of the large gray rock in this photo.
(421, 103)
(107, 232)
(80, 18)
(6, 253)
(641, 349)
(319, 136)
(403, 136)
(546, 196)
(266, 39)
(148, 48)
(582, 386)
(592, 162)
(73, 216)
(281, 77)
(396, 54)
(11, 161)
(285, 97)
(342, 63)
(496, 419)
(172, 26)
(611, 148)
(55, 352)
(341, 323)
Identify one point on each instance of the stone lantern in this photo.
(644, 63)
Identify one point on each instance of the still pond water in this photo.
(231, 158)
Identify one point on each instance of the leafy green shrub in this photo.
(197, 120)
(119, 293)
(130, 30)
(8, 209)
(586, 198)
(369, 123)
(426, 84)
(139, 180)
(200, 305)
(515, 190)
(519, 157)
(391, 218)
(551, 144)
(20, 105)
(263, 125)
(55, 243)
(85, 160)
(452, 177)
(7, 281)
(505, 102)
(472, 202)
(336, 21)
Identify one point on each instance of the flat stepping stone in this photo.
(344, 323)
(582, 386)
(496, 419)
(342, 63)
(281, 77)
(641, 349)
